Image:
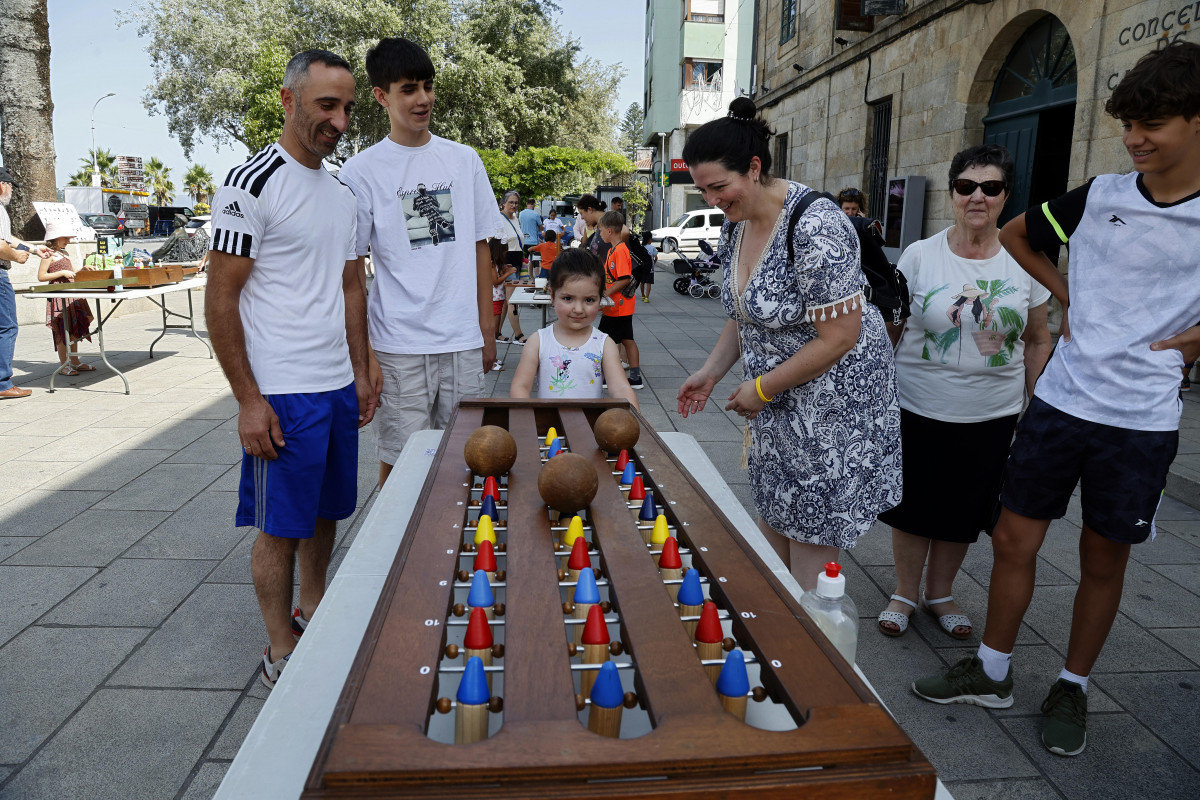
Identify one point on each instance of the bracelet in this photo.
(758, 388)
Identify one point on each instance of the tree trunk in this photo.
(26, 111)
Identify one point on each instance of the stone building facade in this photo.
(864, 107)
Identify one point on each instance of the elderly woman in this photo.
(819, 388)
(972, 349)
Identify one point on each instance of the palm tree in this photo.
(198, 182)
(27, 139)
(106, 163)
(82, 177)
(158, 181)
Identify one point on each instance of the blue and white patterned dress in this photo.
(825, 455)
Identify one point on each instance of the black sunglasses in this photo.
(967, 188)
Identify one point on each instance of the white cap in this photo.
(831, 583)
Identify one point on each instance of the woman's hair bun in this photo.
(743, 108)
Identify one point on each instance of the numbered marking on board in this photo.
(432, 623)
(424, 670)
(749, 615)
(449, 552)
(702, 549)
(441, 583)
(775, 663)
(721, 578)
(460, 502)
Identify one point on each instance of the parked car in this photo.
(196, 224)
(685, 235)
(104, 224)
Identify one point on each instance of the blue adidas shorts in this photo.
(316, 474)
(1121, 472)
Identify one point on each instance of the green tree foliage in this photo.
(507, 76)
(538, 172)
(81, 177)
(637, 201)
(198, 182)
(629, 134)
(158, 181)
(105, 162)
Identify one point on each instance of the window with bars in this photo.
(782, 162)
(787, 20)
(881, 145)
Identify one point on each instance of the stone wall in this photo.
(938, 62)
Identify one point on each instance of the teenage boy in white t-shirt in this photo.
(1105, 412)
(287, 318)
(430, 309)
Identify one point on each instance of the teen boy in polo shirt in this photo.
(1106, 410)
(430, 310)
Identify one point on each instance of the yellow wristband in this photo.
(758, 388)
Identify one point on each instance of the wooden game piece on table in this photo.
(551, 435)
(490, 451)
(637, 490)
(478, 641)
(604, 716)
(733, 685)
(691, 599)
(555, 448)
(580, 560)
(471, 707)
(488, 507)
(485, 560)
(622, 460)
(481, 595)
(484, 531)
(626, 481)
(646, 517)
(491, 488)
(661, 532)
(568, 482)
(616, 429)
(709, 638)
(670, 566)
(585, 596)
(595, 647)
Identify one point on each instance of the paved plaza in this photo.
(130, 637)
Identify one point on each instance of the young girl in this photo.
(648, 281)
(501, 269)
(58, 269)
(570, 358)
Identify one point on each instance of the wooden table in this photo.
(155, 295)
(539, 738)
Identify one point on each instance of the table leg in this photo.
(161, 302)
(192, 321)
(67, 339)
(103, 355)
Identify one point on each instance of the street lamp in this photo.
(95, 167)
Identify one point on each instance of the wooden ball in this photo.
(631, 700)
(498, 609)
(459, 609)
(758, 693)
(501, 574)
(615, 647)
(444, 705)
(568, 482)
(497, 650)
(605, 606)
(616, 429)
(727, 644)
(580, 702)
(451, 651)
(490, 451)
(572, 648)
(495, 704)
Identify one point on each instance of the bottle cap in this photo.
(831, 583)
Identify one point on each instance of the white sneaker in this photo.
(271, 670)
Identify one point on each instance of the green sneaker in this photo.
(966, 682)
(1065, 708)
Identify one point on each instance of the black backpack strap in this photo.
(798, 212)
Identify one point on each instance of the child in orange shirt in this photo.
(548, 250)
(618, 271)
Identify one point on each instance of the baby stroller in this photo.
(695, 272)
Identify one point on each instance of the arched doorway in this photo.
(1032, 113)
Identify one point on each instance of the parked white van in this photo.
(689, 229)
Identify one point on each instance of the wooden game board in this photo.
(837, 740)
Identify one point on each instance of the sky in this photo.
(91, 56)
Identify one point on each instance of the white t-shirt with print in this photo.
(421, 210)
(573, 372)
(961, 358)
(298, 224)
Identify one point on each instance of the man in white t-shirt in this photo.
(287, 316)
(430, 310)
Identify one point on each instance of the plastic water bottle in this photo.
(117, 274)
(833, 610)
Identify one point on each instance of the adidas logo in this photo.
(233, 210)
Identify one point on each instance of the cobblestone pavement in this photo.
(130, 636)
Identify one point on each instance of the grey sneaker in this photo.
(635, 378)
(966, 682)
(1065, 708)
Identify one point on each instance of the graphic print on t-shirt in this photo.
(428, 214)
(994, 329)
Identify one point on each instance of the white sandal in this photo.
(900, 620)
(948, 622)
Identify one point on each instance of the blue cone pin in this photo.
(480, 595)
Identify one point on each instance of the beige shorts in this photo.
(419, 392)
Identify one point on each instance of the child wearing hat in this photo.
(78, 317)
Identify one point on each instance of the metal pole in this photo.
(662, 189)
(95, 167)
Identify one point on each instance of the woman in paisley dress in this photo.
(819, 386)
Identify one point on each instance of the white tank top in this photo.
(573, 372)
